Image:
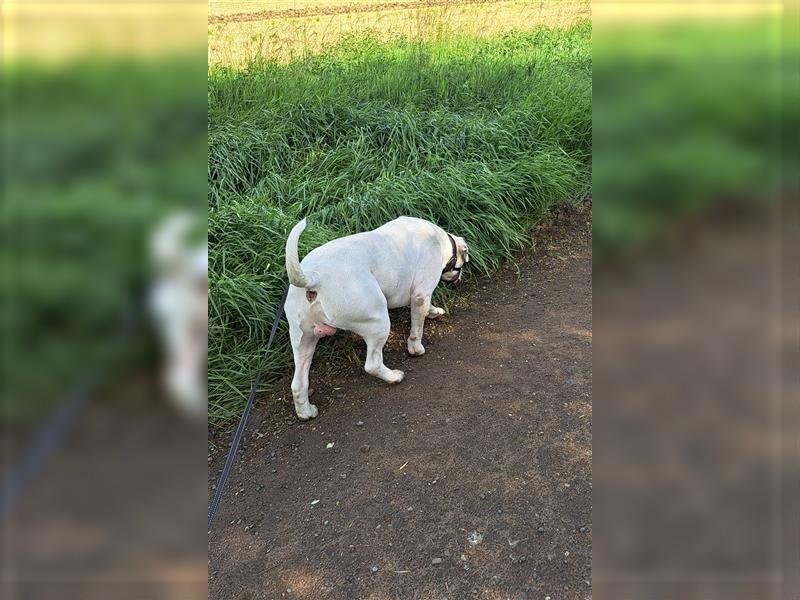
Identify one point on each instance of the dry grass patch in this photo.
(237, 43)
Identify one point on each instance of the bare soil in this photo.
(470, 479)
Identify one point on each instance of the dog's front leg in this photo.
(303, 345)
(434, 312)
(420, 307)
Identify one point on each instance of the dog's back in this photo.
(398, 242)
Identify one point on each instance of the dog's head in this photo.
(453, 275)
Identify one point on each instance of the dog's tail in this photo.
(297, 276)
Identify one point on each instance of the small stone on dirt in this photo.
(436, 561)
(474, 538)
(364, 448)
(374, 569)
(540, 530)
(360, 424)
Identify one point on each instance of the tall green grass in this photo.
(483, 137)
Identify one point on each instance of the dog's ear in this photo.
(462, 249)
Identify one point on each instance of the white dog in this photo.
(179, 302)
(350, 283)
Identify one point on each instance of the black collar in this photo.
(451, 264)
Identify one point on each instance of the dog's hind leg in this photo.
(375, 334)
(303, 345)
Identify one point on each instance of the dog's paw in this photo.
(395, 376)
(306, 411)
(434, 312)
(415, 348)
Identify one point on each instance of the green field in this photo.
(482, 136)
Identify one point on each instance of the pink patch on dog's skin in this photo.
(323, 330)
(311, 296)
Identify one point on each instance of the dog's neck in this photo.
(449, 249)
(452, 255)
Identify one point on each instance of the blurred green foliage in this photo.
(686, 116)
(94, 153)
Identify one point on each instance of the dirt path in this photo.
(336, 9)
(471, 479)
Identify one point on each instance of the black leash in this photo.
(237, 437)
(51, 436)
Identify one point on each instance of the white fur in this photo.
(179, 301)
(357, 279)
